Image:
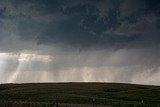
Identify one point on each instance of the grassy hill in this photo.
(83, 93)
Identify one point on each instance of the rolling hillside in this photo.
(83, 93)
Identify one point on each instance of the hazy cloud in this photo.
(80, 40)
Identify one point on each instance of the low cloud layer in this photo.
(122, 65)
(80, 40)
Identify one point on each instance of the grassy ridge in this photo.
(83, 93)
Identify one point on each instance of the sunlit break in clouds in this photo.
(80, 41)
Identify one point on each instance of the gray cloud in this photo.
(79, 40)
(123, 65)
(84, 23)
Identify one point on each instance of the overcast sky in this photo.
(80, 41)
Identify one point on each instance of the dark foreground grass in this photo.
(24, 104)
(122, 95)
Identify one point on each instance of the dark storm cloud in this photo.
(80, 40)
(88, 23)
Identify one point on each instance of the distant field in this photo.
(121, 95)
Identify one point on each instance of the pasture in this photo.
(86, 94)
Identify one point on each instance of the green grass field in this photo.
(114, 94)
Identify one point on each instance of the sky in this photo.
(80, 41)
